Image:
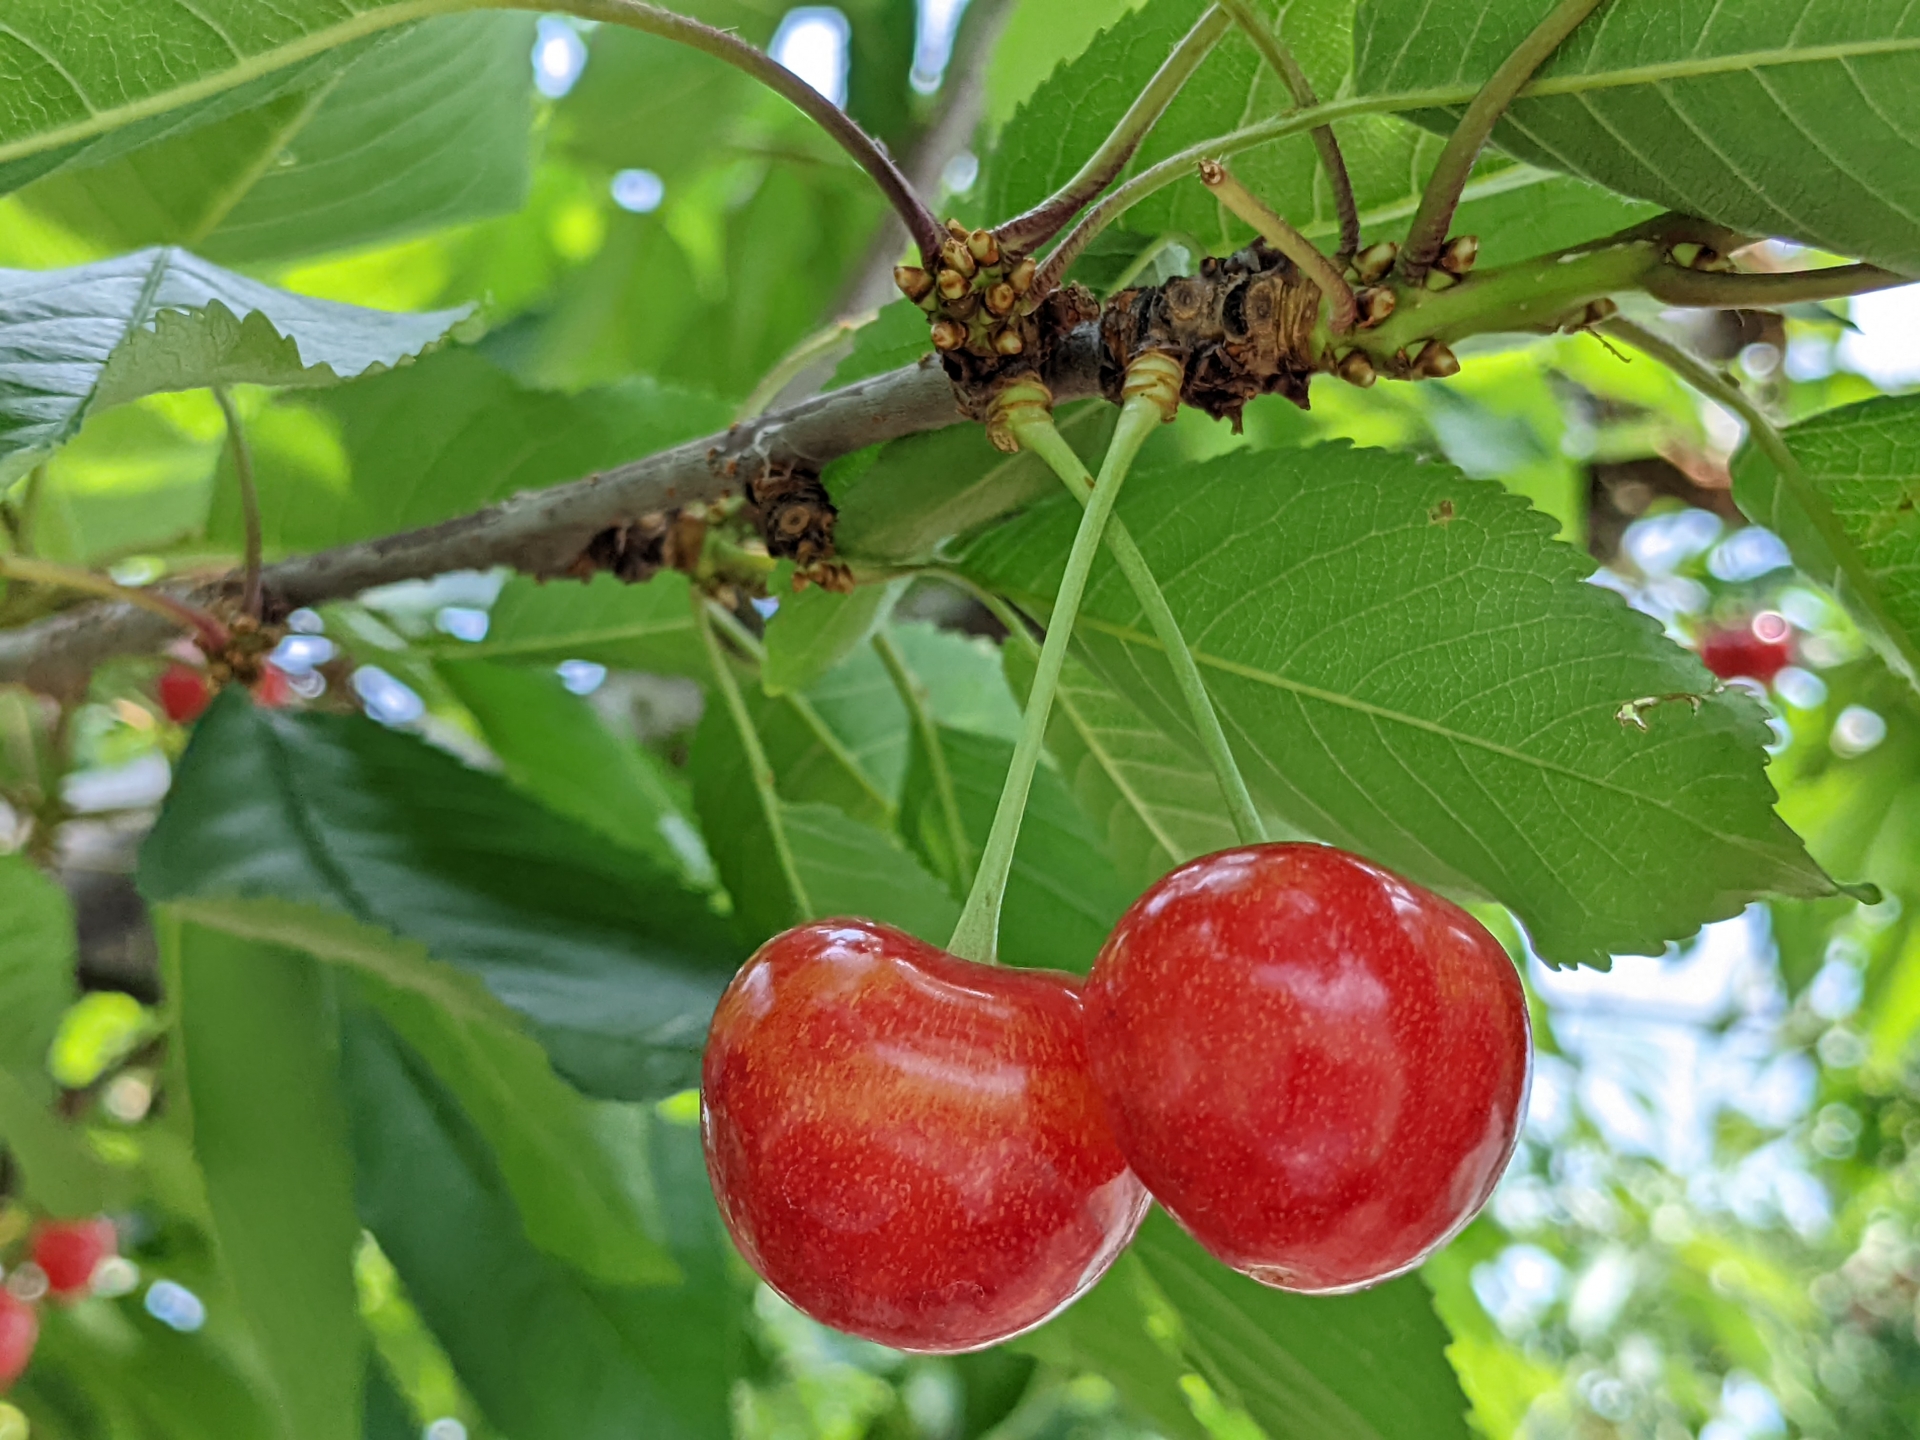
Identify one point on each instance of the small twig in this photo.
(1287, 240)
(250, 596)
(913, 695)
(1274, 50)
(1022, 233)
(914, 214)
(213, 635)
(1722, 290)
(758, 766)
(1442, 196)
(1793, 476)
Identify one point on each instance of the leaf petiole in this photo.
(250, 596)
(758, 765)
(207, 628)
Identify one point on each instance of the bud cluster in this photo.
(977, 296)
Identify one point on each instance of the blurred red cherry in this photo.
(907, 1145)
(1317, 1067)
(1758, 650)
(19, 1330)
(184, 693)
(272, 689)
(69, 1251)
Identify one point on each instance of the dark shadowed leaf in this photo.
(613, 965)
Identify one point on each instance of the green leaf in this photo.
(556, 749)
(1155, 804)
(815, 630)
(258, 1049)
(1063, 896)
(897, 503)
(613, 965)
(1407, 664)
(1371, 1366)
(1387, 158)
(542, 1133)
(1773, 117)
(547, 1354)
(844, 867)
(37, 956)
(435, 440)
(71, 82)
(629, 627)
(1864, 462)
(896, 336)
(73, 341)
(430, 127)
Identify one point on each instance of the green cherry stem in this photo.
(250, 596)
(207, 628)
(1137, 420)
(914, 696)
(977, 935)
(757, 764)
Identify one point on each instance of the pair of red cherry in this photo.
(185, 692)
(67, 1252)
(1317, 1067)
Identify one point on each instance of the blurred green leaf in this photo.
(548, 1355)
(896, 336)
(1763, 116)
(429, 127)
(435, 440)
(258, 1050)
(815, 630)
(1063, 896)
(74, 341)
(542, 1133)
(632, 627)
(1864, 462)
(1411, 667)
(556, 749)
(611, 962)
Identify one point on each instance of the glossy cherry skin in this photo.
(1317, 1067)
(69, 1251)
(907, 1145)
(184, 693)
(19, 1331)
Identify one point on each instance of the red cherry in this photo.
(19, 1329)
(272, 689)
(70, 1250)
(1317, 1067)
(1759, 650)
(907, 1145)
(184, 693)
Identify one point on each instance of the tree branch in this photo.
(542, 532)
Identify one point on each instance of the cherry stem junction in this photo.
(207, 629)
(758, 766)
(1342, 309)
(1138, 418)
(1274, 50)
(977, 936)
(1441, 198)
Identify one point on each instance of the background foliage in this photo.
(381, 1034)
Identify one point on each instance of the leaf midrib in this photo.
(1128, 635)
